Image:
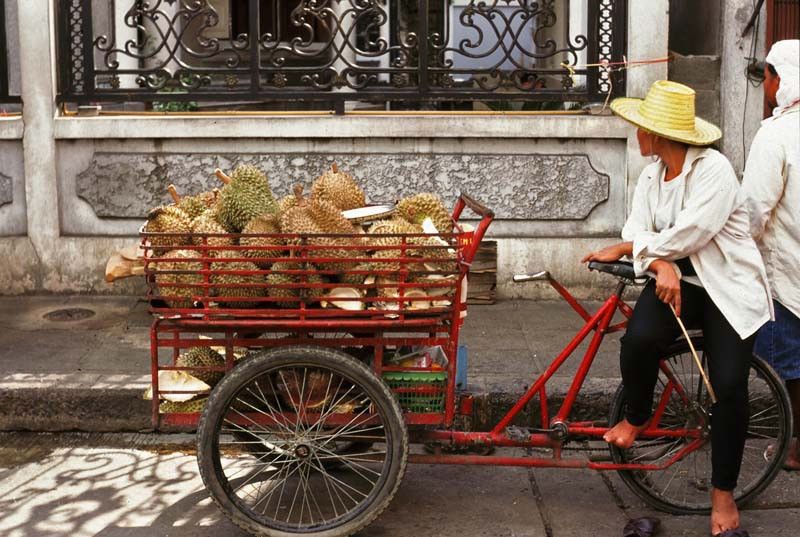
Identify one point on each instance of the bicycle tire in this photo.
(221, 402)
(639, 481)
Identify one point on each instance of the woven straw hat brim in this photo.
(705, 133)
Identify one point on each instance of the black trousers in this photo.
(651, 330)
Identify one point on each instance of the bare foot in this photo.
(623, 434)
(724, 513)
(792, 461)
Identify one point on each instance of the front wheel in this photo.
(684, 487)
(302, 441)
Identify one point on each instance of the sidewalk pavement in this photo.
(89, 374)
(144, 485)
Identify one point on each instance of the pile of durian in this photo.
(357, 261)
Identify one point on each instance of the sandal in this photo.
(738, 532)
(643, 527)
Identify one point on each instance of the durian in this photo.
(426, 205)
(286, 203)
(309, 217)
(168, 220)
(202, 357)
(437, 254)
(278, 277)
(262, 225)
(193, 206)
(380, 233)
(186, 407)
(245, 195)
(338, 188)
(228, 286)
(207, 224)
(181, 295)
(358, 275)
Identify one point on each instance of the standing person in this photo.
(772, 185)
(689, 228)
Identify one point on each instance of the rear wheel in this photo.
(302, 440)
(684, 487)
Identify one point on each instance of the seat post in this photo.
(620, 289)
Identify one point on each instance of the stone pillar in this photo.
(124, 33)
(578, 25)
(648, 38)
(39, 149)
(37, 76)
(348, 56)
(742, 105)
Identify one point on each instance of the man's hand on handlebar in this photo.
(668, 285)
(610, 254)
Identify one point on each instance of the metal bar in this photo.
(254, 24)
(551, 369)
(571, 300)
(423, 35)
(477, 460)
(593, 33)
(620, 46)
(154, 372)
(87, 44)
(609, 308)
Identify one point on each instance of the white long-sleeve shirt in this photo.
(772, 185)
(712, 230)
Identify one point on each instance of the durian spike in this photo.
(222, 176)
(298, 192)
(173, 192)
(335, 168)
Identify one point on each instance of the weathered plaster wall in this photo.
(12, 189)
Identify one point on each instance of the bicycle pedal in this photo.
(517, 434)
(523, 434)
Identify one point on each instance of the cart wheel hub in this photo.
(302, 451)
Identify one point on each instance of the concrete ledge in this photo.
(306, 127)
(11, 128)
(90, 403)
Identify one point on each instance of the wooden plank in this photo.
(483, 275)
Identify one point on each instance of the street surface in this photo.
(130, 485)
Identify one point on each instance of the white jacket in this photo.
(712, 230)
(772, 185)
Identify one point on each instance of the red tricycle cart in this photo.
(318, 392)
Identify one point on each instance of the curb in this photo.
(113, 403)
(87, 403)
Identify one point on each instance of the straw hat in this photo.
(668, 111)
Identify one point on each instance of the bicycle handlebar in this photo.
(477, 207)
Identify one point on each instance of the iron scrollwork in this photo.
(338, 50)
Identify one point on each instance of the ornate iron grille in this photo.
(329, 52)
(5, 95)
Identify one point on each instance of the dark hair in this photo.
(772, 69)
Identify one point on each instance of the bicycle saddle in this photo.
(620, 269)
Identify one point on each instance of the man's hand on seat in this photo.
(610, 254)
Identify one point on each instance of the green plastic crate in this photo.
(419, 392)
